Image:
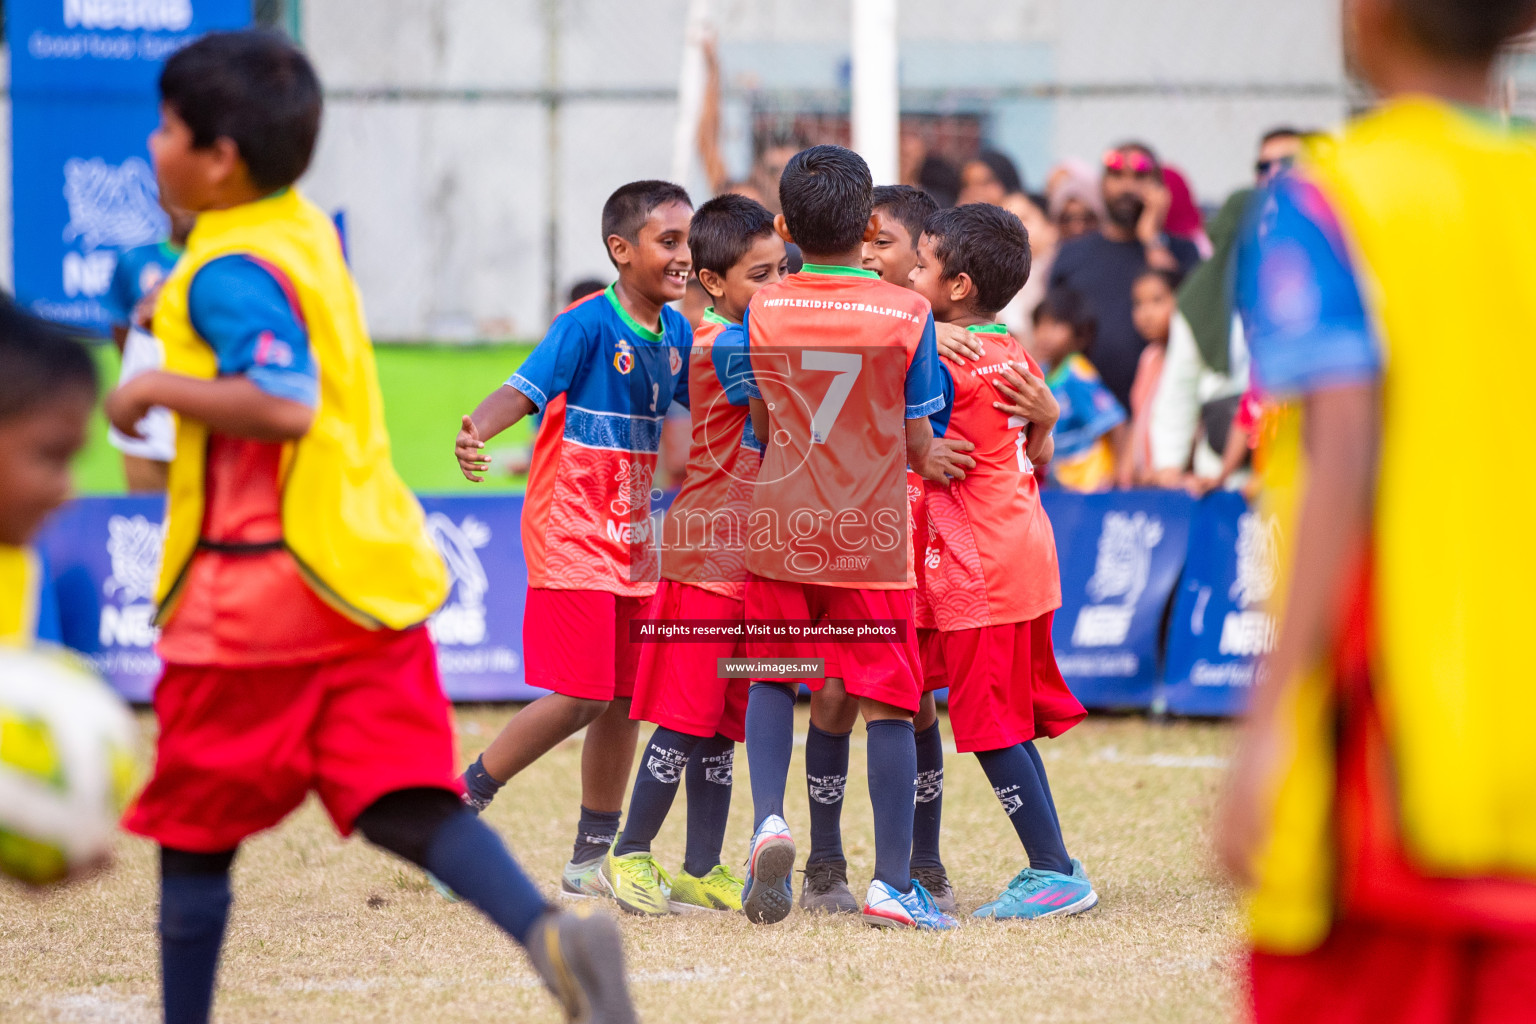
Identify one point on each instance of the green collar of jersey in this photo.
(711, 316)
(988, 328)
(170, 251)
(824, 268)
(646, 334)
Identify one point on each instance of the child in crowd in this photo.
(603, 377)
(700, 717)
(992, 579)
(1154, 300)
(1092, 423)
(842, 449)
(47, 388)
(297, 572)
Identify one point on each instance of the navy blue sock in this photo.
(710, 777)
(892, 769)
(1034, 755)
(595, 833)
(661, 769)
(480, 788)
(930, 799)
(194, 909)
(770, 741)
(1021, 788)
(826, 778)
(472, 861)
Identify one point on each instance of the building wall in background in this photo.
(442, 115)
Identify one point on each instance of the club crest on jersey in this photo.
(624, 358)
(675, 360)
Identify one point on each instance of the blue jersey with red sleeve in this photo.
(603, 382)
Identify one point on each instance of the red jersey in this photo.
(843, 360)
(991, 555)
(604, 383)
(704, 532)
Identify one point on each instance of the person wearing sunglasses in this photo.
(1278, 150)
(1102, 265)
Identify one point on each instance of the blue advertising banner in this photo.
(1220, 625)
(1120, 557)
(104, 555)
(83, 102)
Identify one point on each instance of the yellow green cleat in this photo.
(716, 890)
(638, 884)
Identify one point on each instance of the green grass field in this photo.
(330, 931)
(426, 389)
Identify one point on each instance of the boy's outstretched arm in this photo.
(232, 405)
(1343, 430)
(499, 410)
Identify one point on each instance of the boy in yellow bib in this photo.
(1380, 807)
(297, 574)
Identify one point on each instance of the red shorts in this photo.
(1378, 974)
(576, 642)
(679, 685)
(239, 748)
(887, 672)
(1004, 686)
(934, 677)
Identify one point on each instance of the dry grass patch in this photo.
(331, 931)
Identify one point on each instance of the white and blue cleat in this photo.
(766, 896)
(886, 907)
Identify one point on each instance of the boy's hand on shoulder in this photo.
(946, 460)
(1026, 395)
(956, 343)
(470, 451)
(131, 402)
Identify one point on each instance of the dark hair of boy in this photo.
(1171, 278)
(581, 289)
(1466, 32)
(38, 363)
(724, 228)
(1067, 306)
(255, 89)
(908, 204)
(987, 244)
(826, 197)
(626, 211)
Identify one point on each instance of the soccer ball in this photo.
(66, 765)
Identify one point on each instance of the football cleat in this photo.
(580, 958)
(825, 888)
(583, 881)
(885, 907)
(936, 881)
(716, 890)
(766, 896)
(637, 883)
(1035, 894)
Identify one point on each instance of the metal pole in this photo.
(690, 93)
(552, 170)
(876, 97)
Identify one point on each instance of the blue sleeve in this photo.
(729, 356)
(50, 621)
(940, 419)
(552, 366)
(925, 395)
(121, 296)
(748, 382)
(248, 316)
(1303, 314)
(680, 386)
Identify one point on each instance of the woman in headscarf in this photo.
(1074, 199)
